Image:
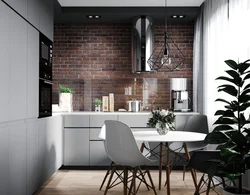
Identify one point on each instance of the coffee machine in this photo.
(179, 95)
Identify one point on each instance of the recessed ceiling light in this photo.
(181, 16)
(174, 16)
(97, 16)
(90, 16)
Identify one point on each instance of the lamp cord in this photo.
(166, 16)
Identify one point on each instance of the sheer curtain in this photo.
(210, 51)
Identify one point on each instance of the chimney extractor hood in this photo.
(142, 43)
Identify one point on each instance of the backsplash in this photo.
(95, 60)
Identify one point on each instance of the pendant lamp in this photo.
(166, 55)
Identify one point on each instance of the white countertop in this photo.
(114, 113)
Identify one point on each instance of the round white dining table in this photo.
(171, 136)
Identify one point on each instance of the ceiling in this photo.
(73, 12)
(128, 3)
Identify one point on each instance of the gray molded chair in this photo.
(195, 123)
(122, 149)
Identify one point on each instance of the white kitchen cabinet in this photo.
(32, 156)
(19, 6)
(4, 159)
(17, 158)
(76, 146)
(4, 65)
(33, 12)
(18, 67)
(46, 19)
(33, 73)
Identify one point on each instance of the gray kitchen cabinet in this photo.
(17, 158)
(32, 72)
(33, 12)
(4, 65)
(5, 158)
(76, 146)
(98, 120)
(46, 19)
(97, 154)
(32, 156)
(76, 121)
(19, 6)
(18, 67)
(49, 147)
(134, 120)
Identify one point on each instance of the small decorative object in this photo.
(162, 120)
(105, 103)
(97, 103)
(111, 102)
(65, 98)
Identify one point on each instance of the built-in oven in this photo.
(45, 77)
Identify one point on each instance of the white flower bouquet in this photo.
(160, 119)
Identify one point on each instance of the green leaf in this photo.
(244, 106)
(235, 81)
(222, 100)
(222, 127)
(243, 67)
(232, 64)
(228, 89)
(247, 131)
(246, 91)
(247, 61)
(233, 73)
(224, 121)
(247, 77)
(227, 113)
(244, 98)
(237, 137)
(216, 138)
(228, 151)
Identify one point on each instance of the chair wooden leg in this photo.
(151, 181)
(125, 180)
(106, 175)
(110, 179)
(160, 165)
(184, 171)
(143, 178)
(199, 185)
(208, 186)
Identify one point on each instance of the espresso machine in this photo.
(179, 95)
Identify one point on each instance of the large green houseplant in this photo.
(232, 132)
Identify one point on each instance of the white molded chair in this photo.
(195, 123)
(122, 149)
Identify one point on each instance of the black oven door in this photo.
(45, 98)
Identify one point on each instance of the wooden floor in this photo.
(86, 182)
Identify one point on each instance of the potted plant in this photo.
(65, 98)
(231, 132)
(97, 103)
(162, 120)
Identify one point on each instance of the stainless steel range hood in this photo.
(142, 43)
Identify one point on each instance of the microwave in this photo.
(45, 77)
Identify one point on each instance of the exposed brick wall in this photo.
(96, 60)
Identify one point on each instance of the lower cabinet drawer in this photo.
(98, 156)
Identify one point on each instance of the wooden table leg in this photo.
(160, 165)
(167, 169)
(192, 171)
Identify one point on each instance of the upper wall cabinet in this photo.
(17, 81)
(47, 19)
(34, 7)
(32, 72)
(4, 56)
(20, 6)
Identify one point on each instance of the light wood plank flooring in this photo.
(87, 182)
